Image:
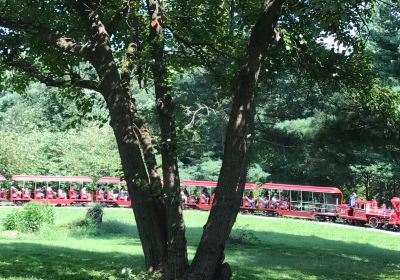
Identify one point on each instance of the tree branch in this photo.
(33, 71)
(31, 27)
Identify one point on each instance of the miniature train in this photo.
(321, 203)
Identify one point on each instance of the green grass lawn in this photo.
(261, 248)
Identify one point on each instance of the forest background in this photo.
(306, 132)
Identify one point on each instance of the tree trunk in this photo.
(209, 258)
(134, 144)
(177, 261)
(137, 158)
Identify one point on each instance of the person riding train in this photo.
(50, 194)
(251, 200)
(39, 193)
(263, 200)
(122, 194)
(184, 197)
(352, 199)
(61, 194)
(204, 197)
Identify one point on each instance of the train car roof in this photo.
(111, 180)
(2, 178)
(211, 184)
(287, 187)
(80, 179)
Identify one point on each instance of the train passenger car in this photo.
(3, 192)
(205, 198)
(201, 200)
(302, 201)
(39, 189)
(368, 212)
(108, 197)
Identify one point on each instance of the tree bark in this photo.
(177, 261)
(209, 258)
(133, 140)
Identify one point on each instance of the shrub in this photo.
(95, 214)
(30, 218)
(12, 220)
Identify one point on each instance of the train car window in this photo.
(360, 206)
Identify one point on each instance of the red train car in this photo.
(302, 201)
(40, 190)
(108, 197)
(204, 201)
(368, 212)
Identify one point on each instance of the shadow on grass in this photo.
(288, 256)
(35, 261)
(106, 230)
(270, 255)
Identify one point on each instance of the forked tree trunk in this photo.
(177, 261)
(209, 258)
(133, 140)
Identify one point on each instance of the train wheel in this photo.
(374, 222)
(350, 221)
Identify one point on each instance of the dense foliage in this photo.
(306, 134)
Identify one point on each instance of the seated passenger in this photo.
(205, 196)
(251, 200)
(110, 194)
(263, 201)
(122, 194)
(284, 202)
(62, 194)
(275, 199)
(39, 193)
(25, 193)
(14, 192)
(100, 194)
(50, 194)
(184, 197)
(72, 193)
(84, 194)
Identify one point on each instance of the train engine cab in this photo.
(366, 212)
